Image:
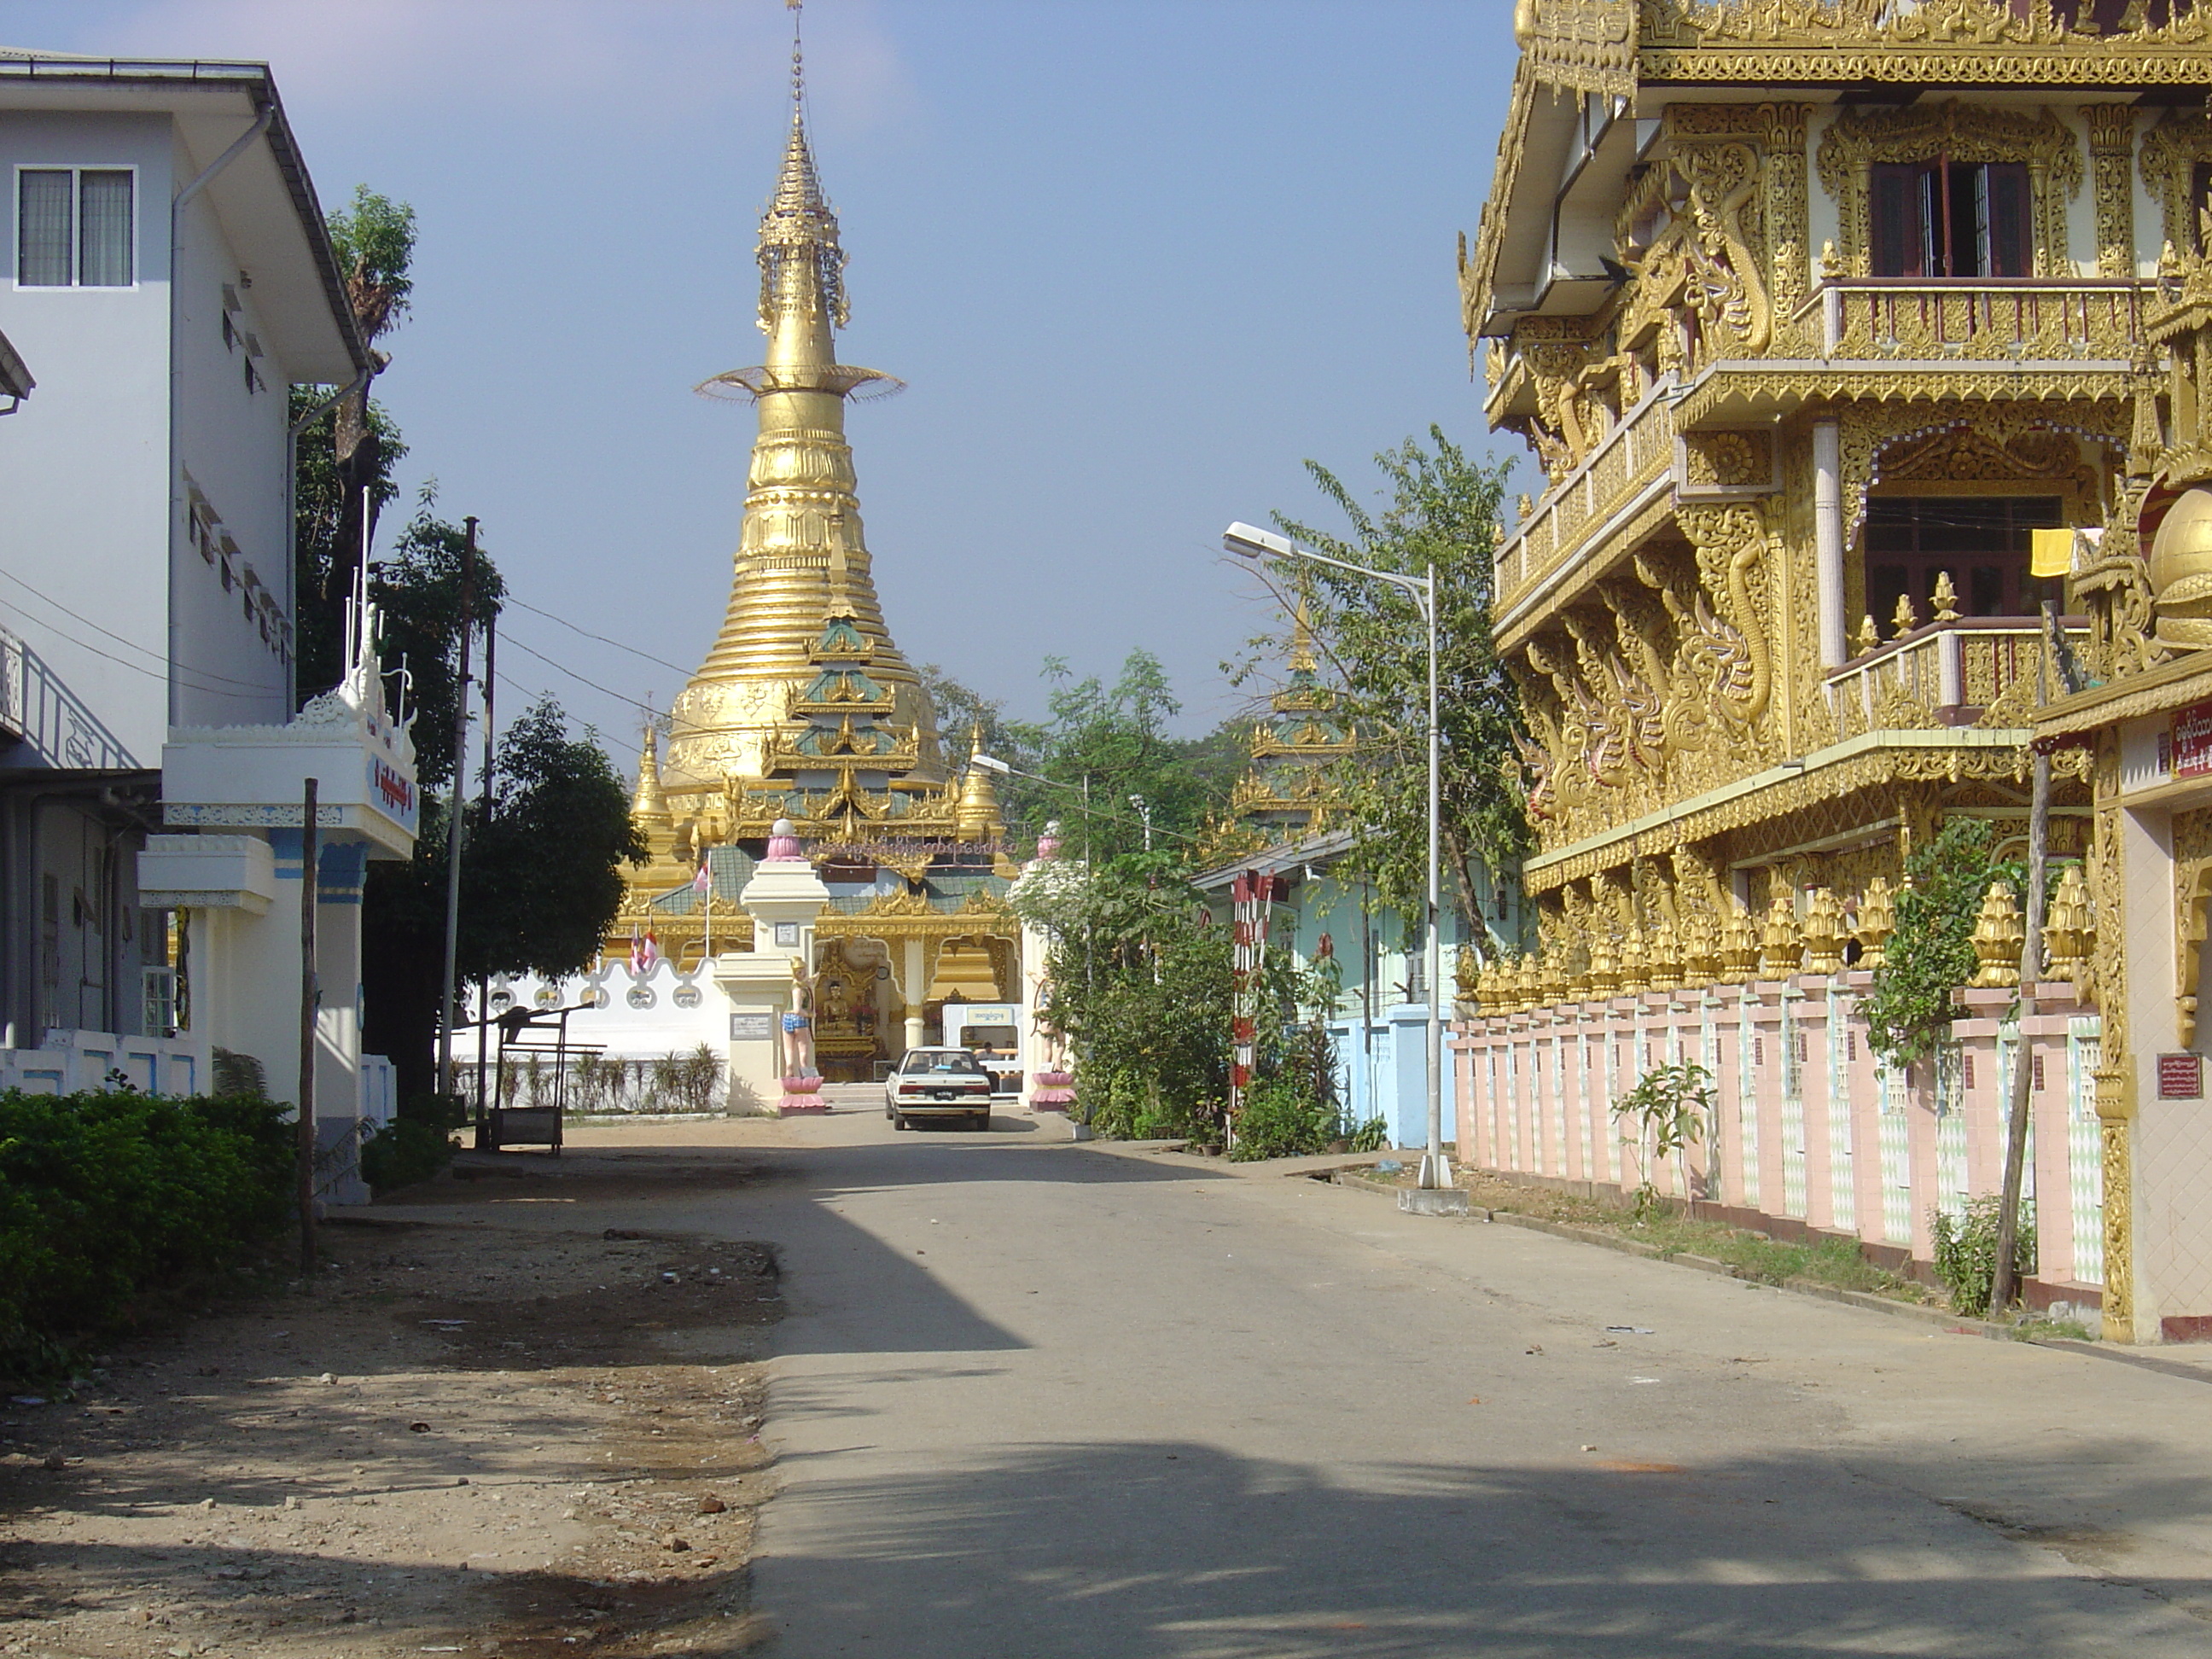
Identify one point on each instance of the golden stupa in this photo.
(805, 707)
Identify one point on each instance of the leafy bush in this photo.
(1908, 1007)
(1673, 1108)
(101, 1195)
(1282, 1120)
(403, 1153)
(1371, 1136)
(1967, 1250)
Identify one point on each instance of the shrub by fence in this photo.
(102, 1196)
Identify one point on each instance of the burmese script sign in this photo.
(752, 1028)
(2181, 1077)
(2192, 741)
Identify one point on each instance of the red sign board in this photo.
(2181, 1077)
(2192, 741)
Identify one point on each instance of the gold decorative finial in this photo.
(1946, 598)
(1906, 618)
(1870, 637)
(1302, 651)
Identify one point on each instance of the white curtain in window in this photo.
(104, 226)
(44, 226)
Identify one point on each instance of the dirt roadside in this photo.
(468, 1438)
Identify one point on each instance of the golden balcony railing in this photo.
(1946, 673)
(1636, 455)
(2028, 320)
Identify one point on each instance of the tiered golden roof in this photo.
(1291, 789)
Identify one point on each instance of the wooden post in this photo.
(310, 1004)
(2005, 1285)
(453, 828)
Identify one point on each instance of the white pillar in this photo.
(1828, 539)
(914, 990)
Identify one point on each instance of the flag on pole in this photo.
(637, 962)
(652, 952)
(701, 882)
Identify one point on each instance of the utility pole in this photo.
(490, 738)
(2005, 1285)
(311, 997)
(453, 828)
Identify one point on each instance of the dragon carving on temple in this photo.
(1660, 683)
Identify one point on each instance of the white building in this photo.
(164, 263)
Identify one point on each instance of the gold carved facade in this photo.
(1732, 744)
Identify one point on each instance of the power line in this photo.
(562, 669)
(160, 673)
(586, 633)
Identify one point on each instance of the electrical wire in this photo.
(161, 673)
(561, 669)
(520, 604)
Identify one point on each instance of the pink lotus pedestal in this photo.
(802, 1096)
(1052, 1093)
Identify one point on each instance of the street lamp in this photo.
(1249, 542)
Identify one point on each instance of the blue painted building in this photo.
(1379, 1022)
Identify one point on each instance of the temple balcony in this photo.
(1951, 674)
(1630, 472)
(1900, 322)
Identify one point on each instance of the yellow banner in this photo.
(2051, 552)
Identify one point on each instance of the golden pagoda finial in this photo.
(1302, 651)
(649, 807)
(978, 817)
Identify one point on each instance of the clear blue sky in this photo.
(1137, 258)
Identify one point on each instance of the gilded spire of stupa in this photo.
(802, 559)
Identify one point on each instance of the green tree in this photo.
(1441, 513)
(1909, 1007)
(1138, 976)
(1114, 740)
(326, 545)
(352, 447)
(541, 877)
(962, 712)
(417, 590)
(540, 883)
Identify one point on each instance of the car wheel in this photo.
(898, 1120)
(981, 1122)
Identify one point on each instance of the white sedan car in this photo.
(939, 1083)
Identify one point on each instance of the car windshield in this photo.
(944, 1061)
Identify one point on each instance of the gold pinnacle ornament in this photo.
(1998, 931)
(1780, 946)
(1824, 933)
(1877, 920)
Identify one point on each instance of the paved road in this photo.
(1037, 1400)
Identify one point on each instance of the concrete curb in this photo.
(1953, 1323)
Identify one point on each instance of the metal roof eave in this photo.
(185, 89)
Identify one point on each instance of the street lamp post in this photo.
(1249, 542)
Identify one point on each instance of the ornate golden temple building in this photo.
(805, 709)
(1831, 322)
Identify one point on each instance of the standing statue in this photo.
(799, 1024)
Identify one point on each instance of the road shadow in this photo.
(1178, 1550)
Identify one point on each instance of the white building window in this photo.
(74, 227)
